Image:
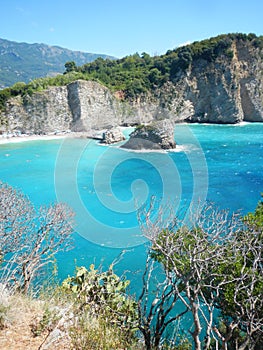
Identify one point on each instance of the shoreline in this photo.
(25, 138)
(82, 134)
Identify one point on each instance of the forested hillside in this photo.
(25, 62)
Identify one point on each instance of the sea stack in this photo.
(155, 136)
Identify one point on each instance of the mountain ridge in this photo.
(21, 61)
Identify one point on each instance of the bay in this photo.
(105, 184)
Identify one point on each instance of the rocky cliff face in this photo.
(43, 112)
(92, 106)
(227, 91)
(224, 90)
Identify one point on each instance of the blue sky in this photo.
(120, 28)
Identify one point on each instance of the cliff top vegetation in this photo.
(137, 74)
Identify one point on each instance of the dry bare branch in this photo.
(30, 238)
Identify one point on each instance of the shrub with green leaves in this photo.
(104, 294)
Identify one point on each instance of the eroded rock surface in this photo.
(157, 135)
(113, 135)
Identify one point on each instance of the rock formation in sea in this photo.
(225, 89)
(157, 135)
(112, 135)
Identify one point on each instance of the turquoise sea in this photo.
(106, 185)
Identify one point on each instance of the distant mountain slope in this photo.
(24, 62)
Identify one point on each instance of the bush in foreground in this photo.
(209, 272)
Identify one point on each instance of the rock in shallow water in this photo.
(112, 135)
(158, 135)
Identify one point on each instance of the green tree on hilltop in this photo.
(70, 67)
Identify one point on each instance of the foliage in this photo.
(138, 74)
(89, 332)
(215, 265)
(25, 62)
(70, 66)
(106, 317)
(159, 309)
(240, 298)
(256, 219)
(210, 270)
(104, 294)
(143, 127)
(30, 238)
(4, 96)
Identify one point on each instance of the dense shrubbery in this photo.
(137, 74)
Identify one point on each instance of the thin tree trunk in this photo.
(197, 330)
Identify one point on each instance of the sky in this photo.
(123, 27)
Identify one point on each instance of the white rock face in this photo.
(43, 112)
(92, 106)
